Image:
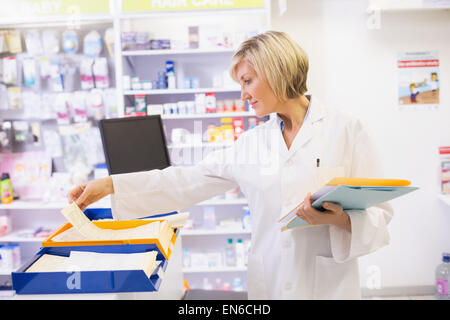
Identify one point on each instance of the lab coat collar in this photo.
(316, 112)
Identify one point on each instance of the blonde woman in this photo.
(276, 167)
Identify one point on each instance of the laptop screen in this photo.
(134, 144)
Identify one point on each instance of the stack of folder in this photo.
(351, 194)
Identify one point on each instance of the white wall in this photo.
(354, 68)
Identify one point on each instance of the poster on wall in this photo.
(418, 80)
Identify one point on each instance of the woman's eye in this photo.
(247, 81)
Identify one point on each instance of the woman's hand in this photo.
(90, 192)
(334, 214)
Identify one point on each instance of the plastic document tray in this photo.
(111, 281)
(151, 244)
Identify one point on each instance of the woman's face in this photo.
(256, 90)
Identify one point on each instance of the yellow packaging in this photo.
(14, 42)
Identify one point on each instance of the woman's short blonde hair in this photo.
(277, 58)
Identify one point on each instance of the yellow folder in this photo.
(351, 191)
(362, 182)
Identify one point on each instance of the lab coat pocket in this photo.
(334, 280)
(256, 284)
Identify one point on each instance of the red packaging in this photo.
(238, 127)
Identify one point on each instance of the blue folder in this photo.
(353, 198)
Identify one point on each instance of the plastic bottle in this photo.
(238, 285)
(246, 218)
(240, 253)
(206, 284)
(6, 189)
(209, 218)
(247, 244)
(443, 278)
(230, 254)
(218, 285)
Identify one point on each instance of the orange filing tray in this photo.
(164, 247)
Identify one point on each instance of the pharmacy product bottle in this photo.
(6, 189)
(206, 284)
(230, 254)
(238, 285)
(240, 253)
(443, 278)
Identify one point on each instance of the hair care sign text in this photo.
(174, 5)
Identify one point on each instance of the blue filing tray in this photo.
(112, 281)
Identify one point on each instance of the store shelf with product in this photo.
(26, 235)
(53, 205)
(60, 95)
(180, 91)
(218, 231)
(209, 115)
(182, 74)
(58, 82)
(178, 52)
(215, 269)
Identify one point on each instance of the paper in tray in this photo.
(164, 242)
(112, 281)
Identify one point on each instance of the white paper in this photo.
(93, 261)
(90, 231)
(47, 263)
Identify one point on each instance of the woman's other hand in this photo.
(90, 192)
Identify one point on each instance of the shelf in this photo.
(209, 115)
(223, 202)
(13, 238)
(223, 231)
(445, 198)
(56, 20)
(175, 14)
(39, 205)
(217, 269)
(180, 91)
(401, 5)
(201, 145)
(7, 272)
(175, 52)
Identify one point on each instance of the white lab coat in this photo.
(317, 262)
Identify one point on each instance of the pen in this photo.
(318, 162)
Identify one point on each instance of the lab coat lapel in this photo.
(306, 132)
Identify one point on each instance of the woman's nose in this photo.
(245, 95)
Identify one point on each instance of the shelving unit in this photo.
(215, 270)
(209, 115)
(179, 91)
(217, 231)
(33, 215)
(15, 237)
(202, 62)
(176, 52)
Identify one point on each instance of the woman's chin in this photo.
(260, 114)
